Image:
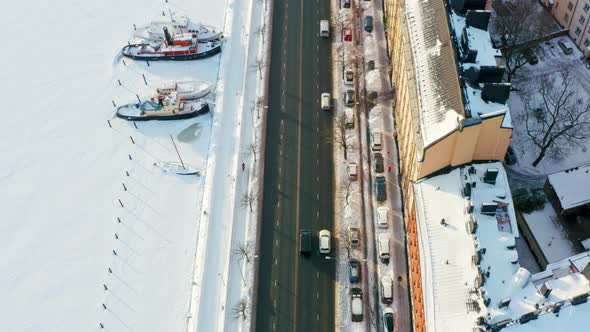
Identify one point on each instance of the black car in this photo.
(380, 188)
(530, 56)
(378, 159)
(369, 23)
(354, 271)
(305, 242)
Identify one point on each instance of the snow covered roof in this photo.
(468, 259)
(437, 80)
(480, 41)
(568, 188)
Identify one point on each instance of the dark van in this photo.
(305, 242)
(369, 24)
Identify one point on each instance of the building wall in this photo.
(493, 140)
(574, 15)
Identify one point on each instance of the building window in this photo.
(570, 6)
(566, 18)
(582, 19)
(578, 31)
(587, 42)
(586, 7)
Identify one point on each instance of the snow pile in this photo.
(88, 216)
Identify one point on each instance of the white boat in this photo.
(187, 90)
(177, 25)
(163, 107)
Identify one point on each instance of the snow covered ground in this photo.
(551, 61)
(550, 234)
(64, 170)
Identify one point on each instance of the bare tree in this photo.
(248, 200)
(554, 116)
(240, 310)
(346, 191)
(242, 251)
(259, 65)
(340, 135)
(261, 31)
(513, 25)
(256, 105)
(254, 150)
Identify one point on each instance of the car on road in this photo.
(304, 242)
(376, 139)
(384, 254)
(348, 77)
(356, 304)
(369, 23)
(353, 236)
(380, 191)
(530, 56)
(388, 319)
(324, 239)
(352, 170)
(324, 28)
(325, 101)
(378, 162)
(349, 97)
(347, 34)
(386, 290)
(383, 217)
(354, 271)
(346, 3)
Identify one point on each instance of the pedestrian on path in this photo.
(389, 168)
(243, 166)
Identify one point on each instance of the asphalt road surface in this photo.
(296, 293)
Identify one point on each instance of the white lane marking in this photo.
(317, 178)
(317, 214)
(317, 316)
(276, 242)
(279, 186)
(317, 275)
(317, 196)
(317, 295)
(276, 261)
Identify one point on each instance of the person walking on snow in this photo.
(243, 166)
(389, 167)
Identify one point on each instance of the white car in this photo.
(386, 290)
(352, 171)
(324, 237)
(348, 77)
(383, 243)
(325, 101)
(376, 139)
(383, 217)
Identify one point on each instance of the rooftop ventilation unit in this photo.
(471, 225)
(545, 290)
(490, 175)
(472, 170)
(528, 317)
(478, 19)
(479, 279)
(505, 302)
(467, 190)
(583, 298)
(469, 208)
(556, 307)
(500, 325)
(489, 208)
(490, 74)
(475, 259)
(470, 55)
(496, 92)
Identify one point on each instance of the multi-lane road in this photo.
(297, 293)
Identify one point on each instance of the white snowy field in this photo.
(63, 170)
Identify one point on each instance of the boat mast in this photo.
(178, 153)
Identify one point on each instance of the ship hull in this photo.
(172, 57)
(202, 110)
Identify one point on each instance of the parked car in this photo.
(352, 171)
(376, 139)
(388, 319)
(378, 162)
(347, 34)
(349, 117)
(565, 46)
(324, 237)
(530, 56)
(369, 23)
(383, 217)
(305, 242)
(380, 188)
(386, 290)
(354, 271)
(356, 304)
(383, 243)
(345, 3)
(353, 236)
(348, 77)
(349, 97)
